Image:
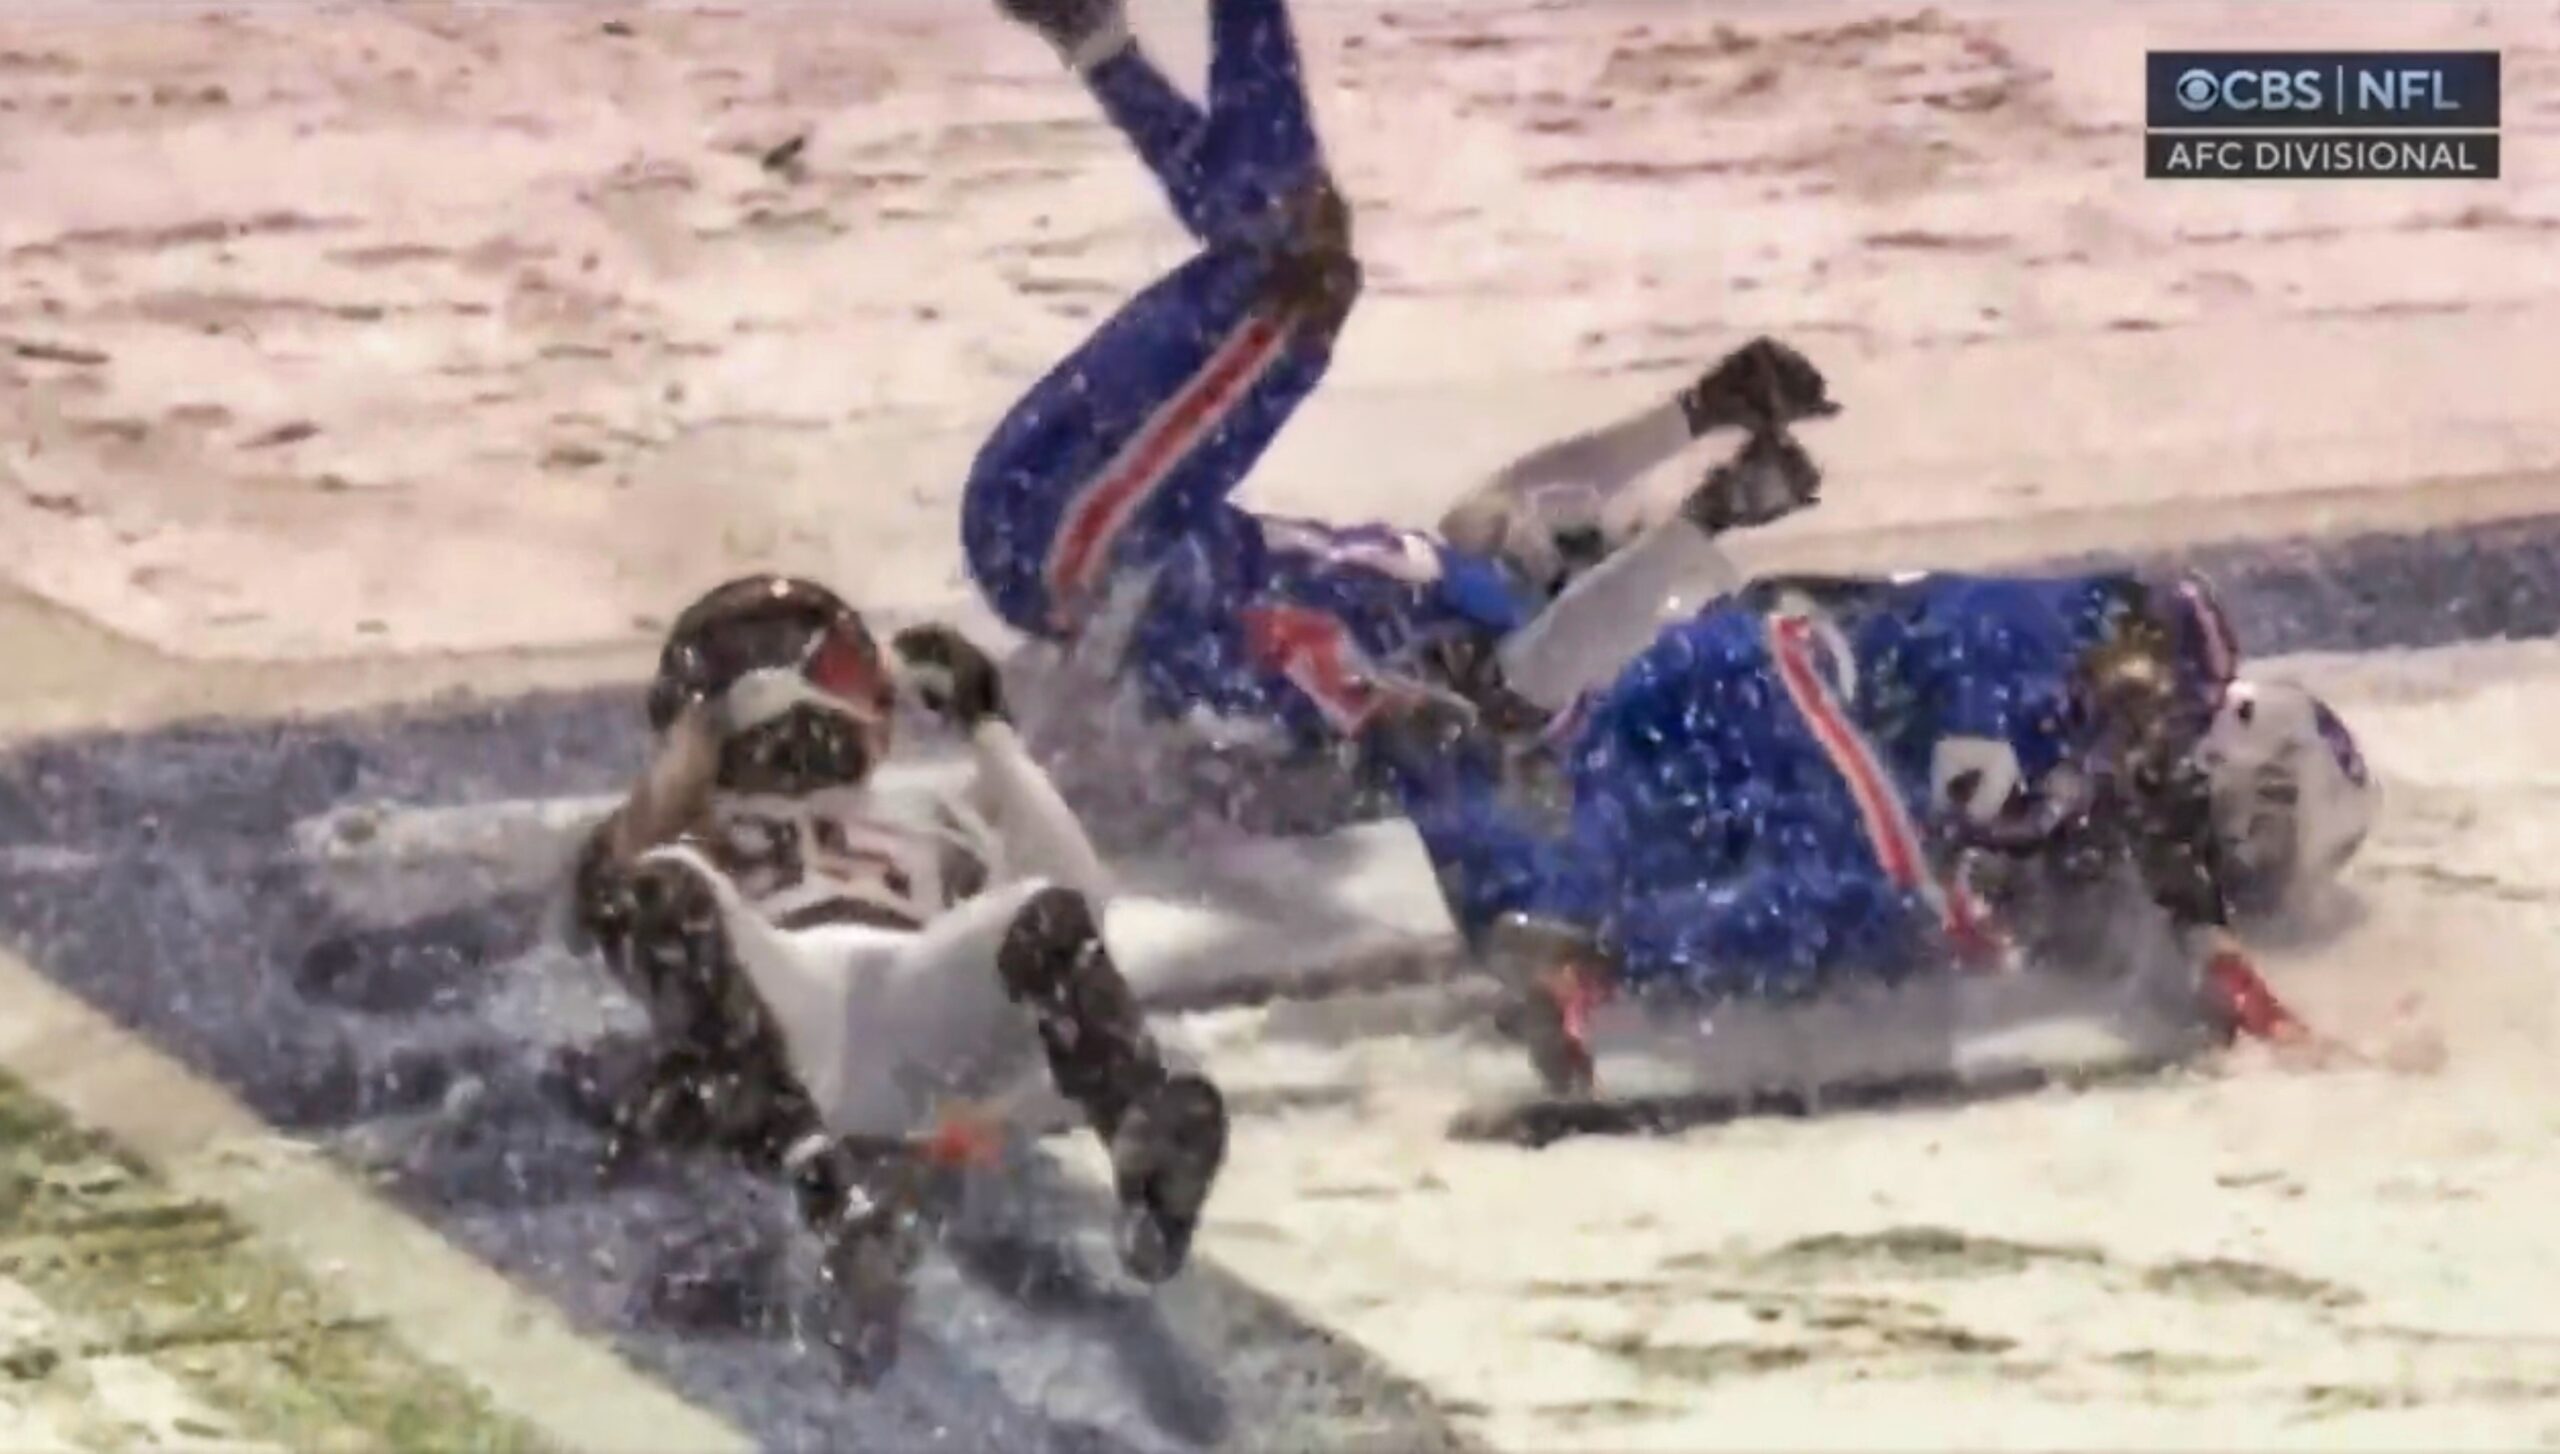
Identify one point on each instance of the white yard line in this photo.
(517, 1349)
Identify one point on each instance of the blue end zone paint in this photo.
(151, 873)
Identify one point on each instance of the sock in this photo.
(1099, 44)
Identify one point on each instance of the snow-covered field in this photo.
(2237, 1256)
(335, 336)
(2236, 1252)
(355, 328)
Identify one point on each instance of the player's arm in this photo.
(1042, 836)
(1564, 488)
(1613, 610)
(2166, 801)
(2169, 810)
(668, 798)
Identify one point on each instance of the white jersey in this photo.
(870, 920)
(854, 855)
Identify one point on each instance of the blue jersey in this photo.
(1968, 683)
(1300, 626)
(1773, 791)
(1965, 684)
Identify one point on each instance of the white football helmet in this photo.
(2292, 797)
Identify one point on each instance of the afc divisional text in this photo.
(2311, 115)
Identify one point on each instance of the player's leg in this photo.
(744, 1013)
(951, 1014)
(872, 1206)
(1494, 856)
(1528, 899)
(1733, 855)
(1537, 900)
(1131, 445)
(930, 1041)
(1166, 1129)
(1232, 170)
(1824, 822)
(892, 1034)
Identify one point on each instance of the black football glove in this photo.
(1762, 386)
(950, 675)
(1768, 479)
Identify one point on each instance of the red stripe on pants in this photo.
(1095, 518)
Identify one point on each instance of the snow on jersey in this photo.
(1297, 623)
(852, 855)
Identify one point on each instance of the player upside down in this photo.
(1759, 799)
(847, 987)
(1098, 515)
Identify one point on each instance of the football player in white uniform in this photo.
(852, 985)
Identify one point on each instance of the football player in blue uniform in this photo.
(1818, 777)
(1768, 793)
(1098, 515)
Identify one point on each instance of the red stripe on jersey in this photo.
(1891, 835)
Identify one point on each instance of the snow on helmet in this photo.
(793, 637)
(2292, 796)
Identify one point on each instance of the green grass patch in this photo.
(88, 1228)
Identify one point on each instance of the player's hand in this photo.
(949, 674)
(675, 790)
(1762, 386)
(2239, 999)
(1768, 479)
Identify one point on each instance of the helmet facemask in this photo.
(795, 686)
(2257, 817)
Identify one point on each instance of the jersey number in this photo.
(835, 856)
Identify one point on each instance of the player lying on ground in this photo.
(1817, 777)
(1098, 515)
(844, 985)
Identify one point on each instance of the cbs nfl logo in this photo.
(2309, 115)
